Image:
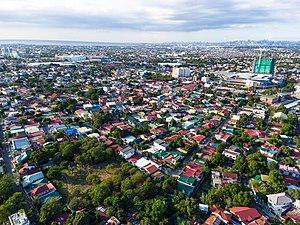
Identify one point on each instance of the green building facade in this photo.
(264, 65)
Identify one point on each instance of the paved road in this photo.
(264, 211)
(8, 170)
(5, 153)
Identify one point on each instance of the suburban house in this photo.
(221, 179)
(190, 178)
(280, 202)
(218, 216)
(127, 152)
(160, 144)
(248, 216)
(231, 152)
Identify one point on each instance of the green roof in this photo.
(173, 129)
(46, 198)
(161, 154)
(191, 181)
(257, 178)
(199, 161)
(152, 125)
(188, 190)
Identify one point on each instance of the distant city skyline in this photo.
(150, 21)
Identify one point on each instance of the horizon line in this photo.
(140, 43)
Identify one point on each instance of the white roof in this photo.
(93, 135)
(129, 138)
(142, 162)
(31, 130)
(280, 198)
(84, 130)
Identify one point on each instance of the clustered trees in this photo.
(128, 190)
(230, 195)
(9, 202)
(83, 152)
(68, 104)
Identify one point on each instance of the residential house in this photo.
(127, 152)
(269, 150)
(280, 202)
(218, 216)
(19, 218)
(248, 216)
(269, 99)
(221, 179)
(31, 178)
(160, 144)
(231, 153)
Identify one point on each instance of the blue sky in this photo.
(150, 20)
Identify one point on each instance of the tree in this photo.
(275, 139)
(22, 121)
(287, 129)
(6, 187)
(93, 179)
(159, 210)
(286, 151)
(99, 193)
(12, 205)
(272, 166)
(257, 164)
(217, 160)
(287, 161)
(220, 148)
(54, 173)
(48, 210)
(68, 151)
(82, 218)
(240, 164)
(276, 181)
(294, 193)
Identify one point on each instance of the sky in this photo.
(150, 20)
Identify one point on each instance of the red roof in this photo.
(189, 87)
(198, 138)
(134, 158)
(42, 189)
(116, 147)
(192, 170)
(223, 213)
(60, 218)
(150, 168)
(230, 175)
(53, 96)
(36, 134)
(245, 214)
(212, 220)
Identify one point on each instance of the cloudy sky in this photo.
(150, 20)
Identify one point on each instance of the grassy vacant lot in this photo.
(74, 178)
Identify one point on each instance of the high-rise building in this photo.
(264, 66)
(181, 72)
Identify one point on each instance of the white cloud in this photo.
(159, 18)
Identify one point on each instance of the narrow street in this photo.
(5, 153)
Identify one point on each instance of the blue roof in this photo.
(20, 143)
(214, 145)
(71, 131)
